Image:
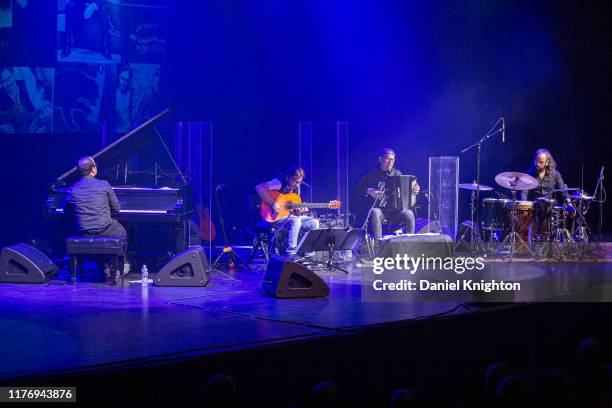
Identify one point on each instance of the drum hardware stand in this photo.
(476, 243)
(478, 146)
(549, 248)
(495, 240)
(581, 236)
(514, 236)
(562, 235)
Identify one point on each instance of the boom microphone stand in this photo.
(599, 190)
(478, 145)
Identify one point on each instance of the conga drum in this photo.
(523, 217)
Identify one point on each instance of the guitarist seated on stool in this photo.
(297, 220)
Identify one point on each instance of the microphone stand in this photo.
(232, 257)
(478, 145)
(599, 189)
(364, 227)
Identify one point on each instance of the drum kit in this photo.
(511, 226)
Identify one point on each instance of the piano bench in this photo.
(78, 248)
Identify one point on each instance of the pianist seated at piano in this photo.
(379, 188)
(94, 203)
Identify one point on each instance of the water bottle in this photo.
(144, 272)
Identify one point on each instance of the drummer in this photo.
(544, 170)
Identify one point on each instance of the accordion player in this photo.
(391, 195)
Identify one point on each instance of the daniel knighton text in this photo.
(437, 269)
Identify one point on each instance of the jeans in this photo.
(295, 224)
(404, 217)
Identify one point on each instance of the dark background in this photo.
(425, 80)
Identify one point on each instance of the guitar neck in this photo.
(311, 205)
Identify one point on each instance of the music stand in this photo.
(330, 240)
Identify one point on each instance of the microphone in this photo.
(503, 130)
(305, 183)
(601, 173)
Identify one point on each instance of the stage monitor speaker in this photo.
(22, 263)
(423, 227)
(440, 245)
(286, 279)
(189, 268)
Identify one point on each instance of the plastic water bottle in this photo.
(144, 272)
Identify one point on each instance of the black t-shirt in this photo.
(546, 185)
(276, 184)
(378, 179)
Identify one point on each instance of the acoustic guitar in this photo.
(207, 228)
(288, 203)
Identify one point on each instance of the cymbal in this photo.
(474, 186)
(514, 180)
(581, 196)
(564, 189)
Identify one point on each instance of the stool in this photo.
(80, 247)
(262, 239)
(269, 240)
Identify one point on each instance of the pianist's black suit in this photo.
(93, 202)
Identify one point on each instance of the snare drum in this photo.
(524, 215)
(494, 215)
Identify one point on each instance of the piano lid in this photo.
(124, 147)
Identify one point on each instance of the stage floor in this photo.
(52, 329)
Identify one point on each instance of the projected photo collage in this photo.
(80, 65)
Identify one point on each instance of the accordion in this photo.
(398, 192)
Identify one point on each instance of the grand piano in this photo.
(156, 204)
